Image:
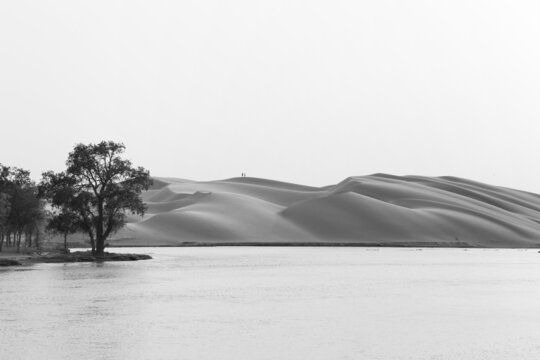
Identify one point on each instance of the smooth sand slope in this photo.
(369, 210)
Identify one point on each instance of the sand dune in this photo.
(377, 209)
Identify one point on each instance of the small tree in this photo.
(99, 187)
(21, 211)
(4, 203)
(26, 212)
(64, 223)
(4, 213)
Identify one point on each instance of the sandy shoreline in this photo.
(308, 244)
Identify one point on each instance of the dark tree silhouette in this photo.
(4, 203)
(25, 213)
(64, 223)
(21, 212)
(99, 187)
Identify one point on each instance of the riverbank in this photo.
(17, 259)
(413, 244)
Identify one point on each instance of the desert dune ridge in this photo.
(372, 210)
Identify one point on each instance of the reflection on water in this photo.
(277, 303)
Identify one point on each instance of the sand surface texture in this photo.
(377, 209)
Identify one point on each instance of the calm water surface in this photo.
(277, 303)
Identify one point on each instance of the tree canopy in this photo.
(65, 222)
(20, 209)
(99, 187)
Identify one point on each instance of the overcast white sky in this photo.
(302, 91)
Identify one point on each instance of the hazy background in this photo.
(302, 91)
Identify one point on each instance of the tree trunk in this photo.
(36, 241)
(100, 245)
(65, 242)
(19, 236)
(93, 245)
(1, 241)
(100, 239)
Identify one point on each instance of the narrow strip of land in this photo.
(15, 259)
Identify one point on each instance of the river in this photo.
(277, 303)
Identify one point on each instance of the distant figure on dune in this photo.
(243, 174)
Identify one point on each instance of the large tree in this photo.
(100, 187)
